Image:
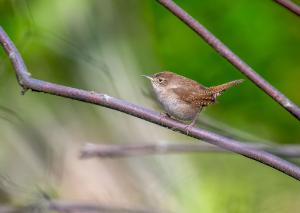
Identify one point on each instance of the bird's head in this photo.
(160, 80)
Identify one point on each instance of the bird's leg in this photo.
(164, 115)
(188, 127)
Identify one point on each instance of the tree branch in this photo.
(291, 6)
(223, 50)
(27, 82)
(91, 150)
(70, 207)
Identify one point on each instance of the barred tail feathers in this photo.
(222, 87)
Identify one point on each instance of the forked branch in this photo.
(223, 50)
(27, 82)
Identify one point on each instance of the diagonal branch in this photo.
(91, 150)
(231, 57)
(291, 6)
(27, 82)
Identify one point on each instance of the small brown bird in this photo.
(184, 98)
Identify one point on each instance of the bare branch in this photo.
(104, 100)
(90, 150)
(70, 207)
(291, 6)
(232, 58)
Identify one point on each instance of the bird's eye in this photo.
(160, 80)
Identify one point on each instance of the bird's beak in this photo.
(148, 76)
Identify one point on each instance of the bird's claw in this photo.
(187, 129)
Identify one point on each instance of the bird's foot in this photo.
(164, 115)
(188, 128)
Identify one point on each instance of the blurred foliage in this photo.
(105, 45)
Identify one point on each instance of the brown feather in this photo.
(196, 97)
(223, 87)
(196, 94)
(180, 80)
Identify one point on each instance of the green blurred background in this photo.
(104, 46)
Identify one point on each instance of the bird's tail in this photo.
(220, 88)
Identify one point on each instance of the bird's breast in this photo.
(176, 107)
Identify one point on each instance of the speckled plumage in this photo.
(184, 98)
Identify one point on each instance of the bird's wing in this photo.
(194, 96)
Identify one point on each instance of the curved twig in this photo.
(27, 82)
(91, 150)
(232, 58)
(291, 6)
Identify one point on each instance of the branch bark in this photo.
(224, 51)
(70, 207)
(27, 82)
(91, 150)
(291, 6)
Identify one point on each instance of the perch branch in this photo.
(291, 6)
(223, 50)
(91, 150)
(27, 82)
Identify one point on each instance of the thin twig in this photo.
(291, 6)
(91, 150)
(231, 57)
(71, 207)
(107, 101)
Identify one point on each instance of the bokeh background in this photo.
(104, 46)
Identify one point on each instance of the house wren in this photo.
(183, 98)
